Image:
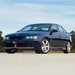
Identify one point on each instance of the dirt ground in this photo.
(30, 63)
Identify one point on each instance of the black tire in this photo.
(11, 51)
(43, 49)
(68, 48)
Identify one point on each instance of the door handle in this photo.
(66, 37)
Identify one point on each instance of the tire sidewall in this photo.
(48, 43)
(67, 49)
(39, 50)
(11, 51)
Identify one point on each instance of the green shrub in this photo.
(73, 39)
(1, 38)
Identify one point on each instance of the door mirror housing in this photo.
(53, 31)
(17, 31)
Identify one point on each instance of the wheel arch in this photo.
(69, 41)
(46, 38)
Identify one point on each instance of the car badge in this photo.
(14, 42)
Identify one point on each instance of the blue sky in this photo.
(15, 14)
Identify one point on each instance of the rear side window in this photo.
(61, 29)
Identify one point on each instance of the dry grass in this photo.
(73, 51)
(32, 51)
(51, 51)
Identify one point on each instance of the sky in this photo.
(15, 14)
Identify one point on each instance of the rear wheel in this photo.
(45, 46)
(68, 48)
(11, 51)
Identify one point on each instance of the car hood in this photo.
(27, 33)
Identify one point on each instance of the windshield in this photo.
(39, 27)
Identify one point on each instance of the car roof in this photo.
(44, 24)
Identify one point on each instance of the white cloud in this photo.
(15, 16)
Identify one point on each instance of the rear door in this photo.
(63, 36)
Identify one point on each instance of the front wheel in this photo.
(68, 48)
(11, 51)
(45, 46)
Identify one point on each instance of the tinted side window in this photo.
(54, 27)
(61, 29)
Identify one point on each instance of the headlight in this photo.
(31, 37)
(6, 38)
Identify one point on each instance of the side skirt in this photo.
(57, 48)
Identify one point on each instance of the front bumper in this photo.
(28, 44)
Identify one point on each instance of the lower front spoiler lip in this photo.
(18, 47)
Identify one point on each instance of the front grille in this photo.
(13, 38)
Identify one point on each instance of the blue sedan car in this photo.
(41, 37)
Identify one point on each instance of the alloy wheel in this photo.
(45, 46)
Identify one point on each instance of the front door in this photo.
(54, 37)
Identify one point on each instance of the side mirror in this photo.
(17, 31)
(53, 31)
